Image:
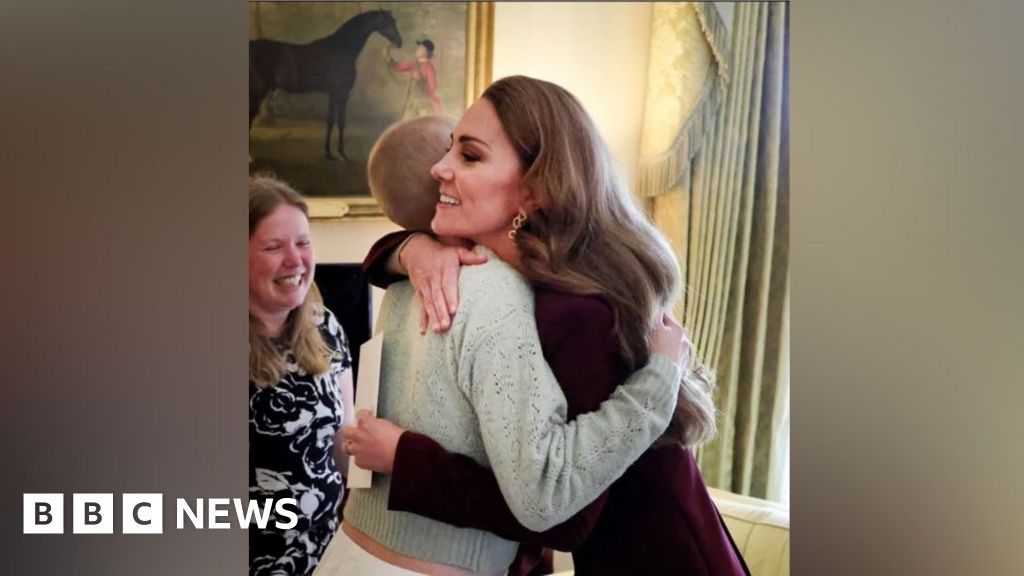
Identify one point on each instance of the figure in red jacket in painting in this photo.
(422, 73)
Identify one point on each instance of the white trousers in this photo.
(344, 557)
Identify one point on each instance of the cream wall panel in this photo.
(598, 51)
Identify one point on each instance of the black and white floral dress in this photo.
(291, 455)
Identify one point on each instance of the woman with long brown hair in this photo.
(484, 389)
(600, 271)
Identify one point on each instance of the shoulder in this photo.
(572, 324)
(326, 320)
(331, 330)
(493, 297)
(492, 283)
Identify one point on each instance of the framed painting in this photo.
(327, 78)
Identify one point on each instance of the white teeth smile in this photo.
(449, 201)
(290, 280)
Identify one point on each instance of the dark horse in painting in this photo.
(324, 65)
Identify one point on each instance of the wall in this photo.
(598, 51)
(341, 241)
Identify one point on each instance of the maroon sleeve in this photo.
(375, 263)
(428, 480)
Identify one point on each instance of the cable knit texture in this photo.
(483, 389)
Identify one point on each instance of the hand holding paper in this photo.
(367, 389)
(373, 442)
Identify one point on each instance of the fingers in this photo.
(424, 315)
(450, 281)
(669, 339)
(470, 258)
(432, 301)
(675, 329)
(679, 332)
(427, 305)
(668, 321)
(442, 319)
(351, 434)
(450, 289)
(434, 272)
(685, 353)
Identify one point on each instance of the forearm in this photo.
(377, 266)
(453, 488)
(549, 469)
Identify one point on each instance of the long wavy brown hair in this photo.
(301, 330)
(589, 236)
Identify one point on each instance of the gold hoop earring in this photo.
(518, 222)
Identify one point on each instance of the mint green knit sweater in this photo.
(483, 389)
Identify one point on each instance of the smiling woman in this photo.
(481, 183)
(280, 267)
(300, 385)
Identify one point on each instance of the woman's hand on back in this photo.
(433, 269)
(668, 339)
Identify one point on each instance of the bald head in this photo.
(399, 169)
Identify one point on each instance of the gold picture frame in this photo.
(291, 97)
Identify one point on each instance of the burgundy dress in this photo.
(658, 518)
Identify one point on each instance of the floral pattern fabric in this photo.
(291, 455)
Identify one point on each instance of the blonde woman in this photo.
(300, 385)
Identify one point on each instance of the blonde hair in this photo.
(301, 330)
(587, 234)
(398, 169)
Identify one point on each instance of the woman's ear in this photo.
(529, 200)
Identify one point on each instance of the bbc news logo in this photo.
(143, 513)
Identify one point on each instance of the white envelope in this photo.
(367, 389)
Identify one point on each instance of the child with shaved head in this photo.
(399, 169)
(399, 175)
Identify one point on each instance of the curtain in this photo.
(714, 170)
